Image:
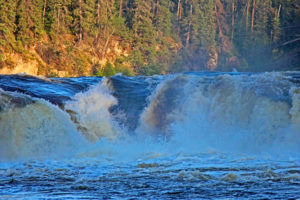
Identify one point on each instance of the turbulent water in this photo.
(199, 135)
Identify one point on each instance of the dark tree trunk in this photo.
(121, 8)
(253, 15)
(247, 15)
(232, 20)
(44, 10)
(80, 21)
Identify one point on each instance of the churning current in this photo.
(196, 135)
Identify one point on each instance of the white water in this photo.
(186, 114)
(36, 130)
(198, 137)
(228, 113)
(92, 112)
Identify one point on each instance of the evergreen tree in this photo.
(29, 21)
(163, 18)
(56, 17)
(7, 23)
(144, 36)
(159, 35)
(89, 14)
(199, 32)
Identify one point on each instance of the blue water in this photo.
(184, 136)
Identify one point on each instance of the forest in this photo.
(146, 37)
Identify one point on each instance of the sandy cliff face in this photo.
(17, 64)
(45, 60)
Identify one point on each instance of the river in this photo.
(193, 135)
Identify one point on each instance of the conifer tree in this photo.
(163, 18)
(88, 17)
(22, 22)
(144, 36)
(7, 23)
(57, 17)
(29, 21)
(160, 35)
(199, 31)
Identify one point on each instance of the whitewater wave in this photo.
(35, 128)
(90, 111)
(129, 118)
(233, 113)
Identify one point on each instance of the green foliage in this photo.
(121, 66)
(1, 59)
(56, 17)
(10, 63)
(149, 70)
(1, 56)
(160, 36)
(107, 71)
(126, 71)
(7, 23)
(28, 21)
(163, 18)
(88, 16)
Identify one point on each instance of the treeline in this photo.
(157, 36)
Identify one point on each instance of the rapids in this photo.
(189, 135)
